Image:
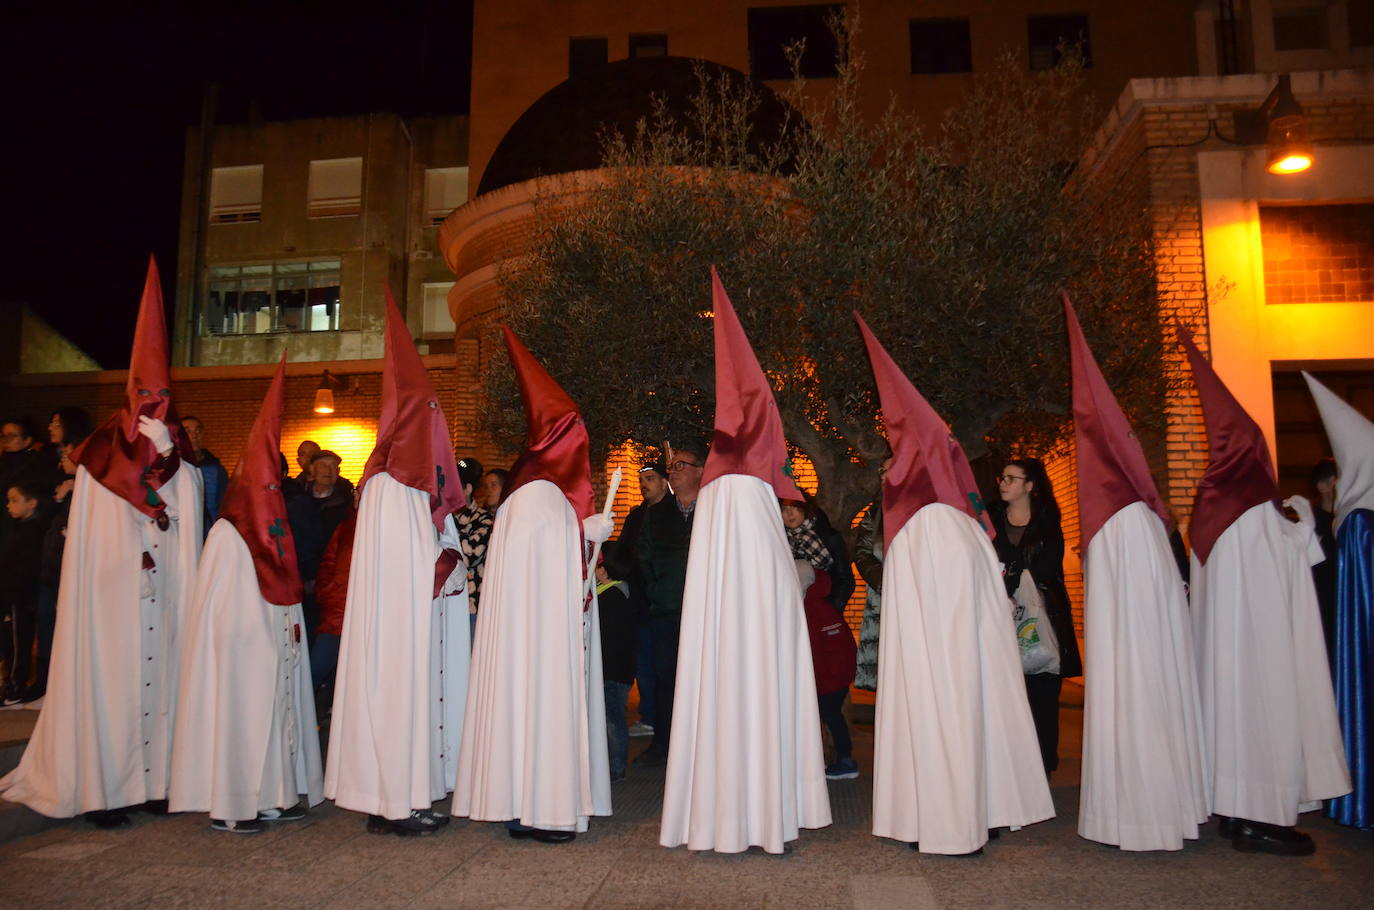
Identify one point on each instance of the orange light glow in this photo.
(324, 401)
(1291, 164)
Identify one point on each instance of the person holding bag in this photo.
(1030, 545)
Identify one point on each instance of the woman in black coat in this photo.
(1029, 538)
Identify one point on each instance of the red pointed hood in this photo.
(1112, 471)
(928, 464)
(413, 443)
(1240, 473)
(748, 436)
(119, 457)
(254, 502)
(1352, 442)
(556, 446)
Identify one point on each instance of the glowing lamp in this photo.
(1288, 143)
(324, 395)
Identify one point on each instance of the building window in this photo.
(335, 188)
(772, 29)
(1301, 28)
(1318, 253)
(446, 188)
(273, 297)
(586, 56)
(941, 46)
(236, 194)
(1360, 19)
(436, 320)
(648, 46)
(1052, 36)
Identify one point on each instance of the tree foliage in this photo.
(953, 245)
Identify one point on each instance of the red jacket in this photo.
(331, 582)
(833, 650)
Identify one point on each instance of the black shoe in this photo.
(438, 819)
(155, 807)
(248, 826)
(108, 818)
(413, 826)
(1258, 837)
(552, 837)
(1226, 826)
(916, 845)
(290, 814)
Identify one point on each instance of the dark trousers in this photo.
(24, 620)
(645, 676)
(832, 715)
(666, 630)
(1042, 691)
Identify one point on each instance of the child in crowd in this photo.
(20, 561)
(619, 643)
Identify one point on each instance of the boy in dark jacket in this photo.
(21, 559)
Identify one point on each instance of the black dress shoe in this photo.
(1226, 826)
(413, 826)
(155, 807)
(108, 818)
(1259, 837)
(552, 837)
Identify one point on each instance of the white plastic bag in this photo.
(1034, 634)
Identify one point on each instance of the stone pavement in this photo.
(328, 860)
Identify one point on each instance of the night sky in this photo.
(96, 106)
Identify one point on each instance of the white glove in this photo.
(597, 528)
(1306, 528)
(156, 431)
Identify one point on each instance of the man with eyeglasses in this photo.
(664, 538)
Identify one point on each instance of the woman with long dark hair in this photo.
(1030, 545)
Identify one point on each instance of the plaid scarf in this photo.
(807, 545)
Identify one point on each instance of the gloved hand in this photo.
(157, 433)
(1306, 528)
(597, 528)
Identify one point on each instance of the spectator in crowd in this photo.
(809, 531)
(211, 470)
(21, 557)
(619, 639)
(868, 559)
(661, 551)
(305, 455)
(1324, 573)
(66, 426)
(483, 492)
(50, 573)
(331, 596)
(832, 659)
(18, 461)
(653, 486)
(314, 515)
(1030, 546)
(332, 492)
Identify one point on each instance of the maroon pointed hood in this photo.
(413, 444)
(119, 457)
(255, 506)
(1240, 473)
(748, 436)
(1112, 471)
(556, 446)
(928, 464)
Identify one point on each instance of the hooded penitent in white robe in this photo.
(745, 764)
(955, 746)
(1144, 780)
(104, 737)
(403, 660)
(534, 742)
(245, 732)
(1268, 711)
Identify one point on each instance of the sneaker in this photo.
(291, 814)
(417, 825)
(844, 769)
(251, 826)
(642, 729)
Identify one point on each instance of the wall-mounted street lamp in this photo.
(329, 384)
(1282, 126)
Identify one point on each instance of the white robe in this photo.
(1268, 710)
(245, 733)
(1144, 774)
(955, 749)
(403, 660)
(745, 765)
(534, 744)
(104, 737)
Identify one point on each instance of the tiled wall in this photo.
(1318, 253)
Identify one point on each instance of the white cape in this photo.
(1144, 775)
(745, 764)
(534, 743)
(245, 733)
(955, 750)
(104, 737)
(403, 660)
(1268, 710)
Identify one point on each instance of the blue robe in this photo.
(1354, 665)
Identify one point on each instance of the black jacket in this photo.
(1042, 552)
(661, 553)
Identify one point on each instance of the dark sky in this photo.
(95, 107)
